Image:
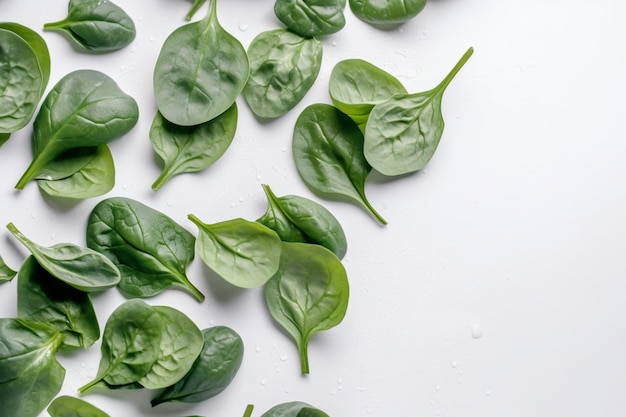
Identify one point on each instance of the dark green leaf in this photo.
(150, 249)
(30, 375)
(308, 294)
(386, 13)
(38, 45)
(96, 25)
(65, 406)
(402, 133)
(283, 67)
(43, 298)
(200, 71)
(328, 151)
(311, 412)
(298, 219)
(4, 137)
(310, 18)
(213, 370)
(82, 268)
(244, 253)
(191, 148)
(288, 409)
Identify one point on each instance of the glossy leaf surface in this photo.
(85, 108)
(30, 375)
(200, 71)
(191, 148)
(43, 298)
(298, 219)
(310, 18)
(66, 406)
(387, 12)
(213, 370)
(402, 133)
(288, 409)
(150, 249)
(244, 253)
(96, 25)
(82, 268)
(283, 67)
(328, 150)
(308, 294)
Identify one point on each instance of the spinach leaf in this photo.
(294, 409)
(213, 370)
(30, 375)
(244, 253)
(4, 137)
(308, 294)
(43, 298)
(181, 343)
(191, 148)
(311, 412)
(402, 133)
(283, 67)
(94, 176)
(66, 406)
(6, 273)
(386, 13)
(96, 25)
(82, 268)
(150, 249)
(328, 151)
(130, 345)
(200, 71)
(311, 18)
(22, 80)
(298, 219)
(355, 86)
(86, 108)
(38, 45)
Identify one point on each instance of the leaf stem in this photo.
(304, 357)
(194, 8)
(373, 211)
(446, 81)
(248, 412)
(192, 289)
(19, 235)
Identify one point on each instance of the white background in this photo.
(498, 287)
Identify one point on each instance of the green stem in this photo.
(446, 81)
(165, 175)
(196, 6)
(373, 211)
(88, 386)
(31, 172)
(60, 25)
(248, 411)
(304, 357)
(191, 288)
(20, 236)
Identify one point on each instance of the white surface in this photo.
(497, 289)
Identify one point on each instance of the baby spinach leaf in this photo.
(244, 253)
(6, 273)
(150, 249)
(30, 375)
(131, 344)
(311, 412)
(4, 137)
(66, 406)
(298, 219)
(213, 370)
(402, 133)
(82, 268)
(96, 25)
(355, 86)
(43, 298)
(308, 294)
(294, 409)
(95, 177)
(38, 45)
(22, 81)
(86, 108)
(386, 13)
(181, 343)
(283, 67)
(311, 18)
(200, 71)
(191, 148)
(328, 151)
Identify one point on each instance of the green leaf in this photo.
(150, 249)
(38, 45)
(96, 25)
(191, 148)
(356, 86)
(402, 133)
(95, 177)
(386, 13)
(311, 412)
(244, 253)
(213, 370)
(293, 409)
(283, 68)
(6, 273)
(200, 71)
(311, 18)
(328, 151)
(298, 219)
(4, 137)
(308, 294)
(66, 406)
(43, 298)
(82, 268)
(86, 108)
(30, 375)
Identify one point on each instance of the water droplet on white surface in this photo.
(438, 388)
(169, 203)
(432, 402)
(263, 382)
(488, 393)
(151, 39)
(257, 349)
(334, 43)
(454, 364)
(242, 27)
(283, 358)
(477, 331)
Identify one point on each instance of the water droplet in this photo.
(258, 177)
(283, 150)
(460, 372)
(477, 331)
(283, 358)
(169, 203)
(243, 27)
(488, 393)
(432, 402)
(438, 388)
(263, 382)
(83, 365)
(257, 349)
(286, 390)
(151, 38)
(334, 43)
(454, 364)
